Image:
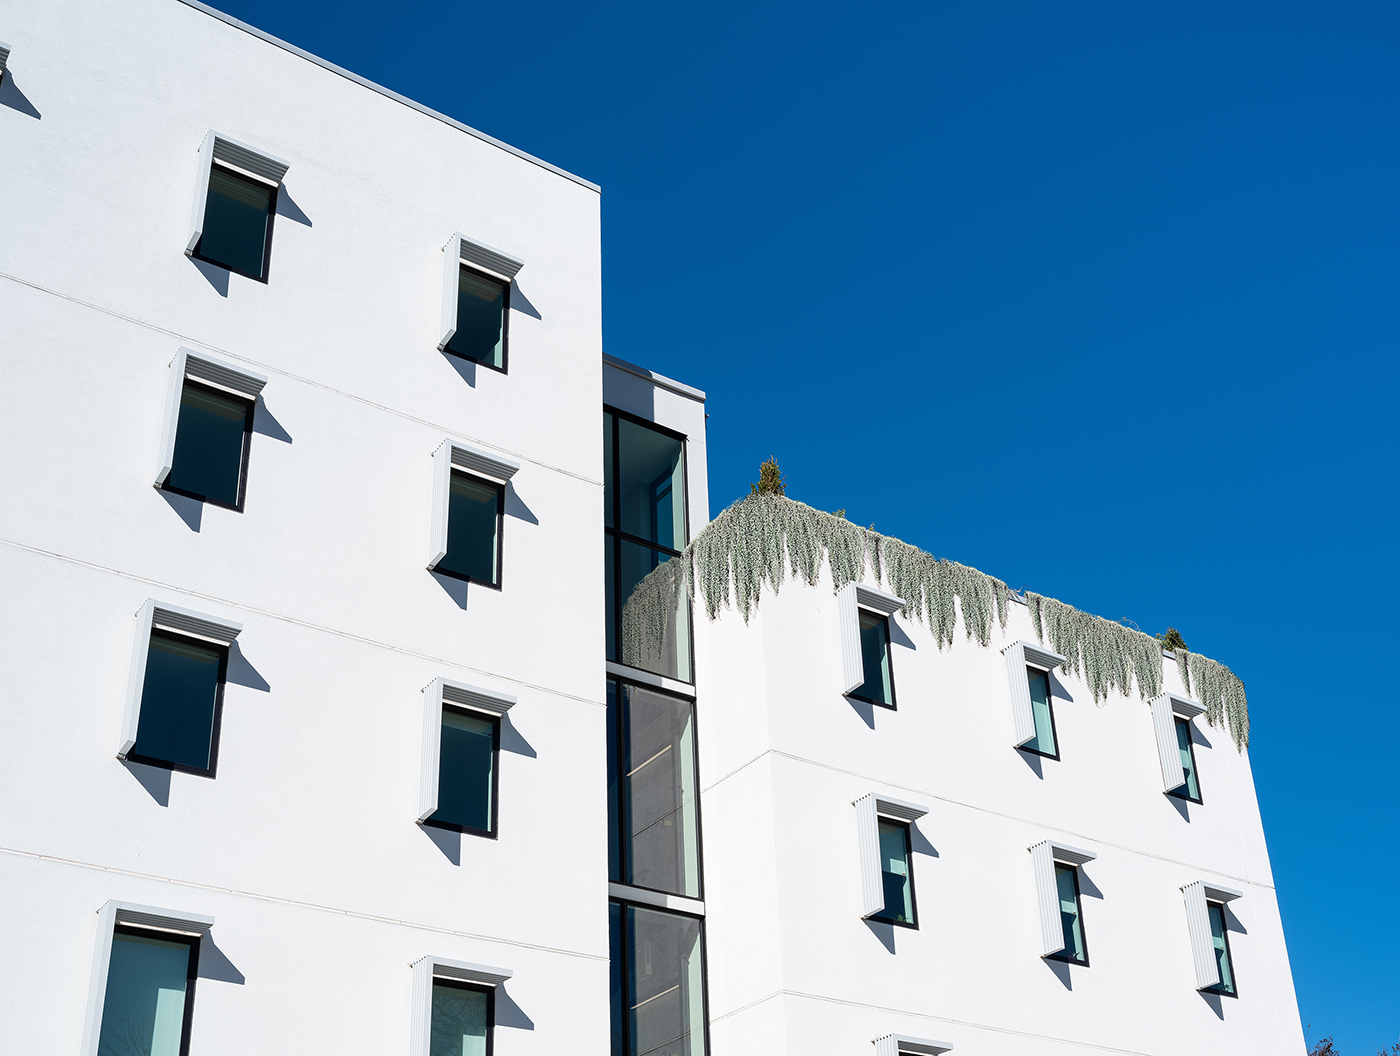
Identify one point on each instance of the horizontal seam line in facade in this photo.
(298, 903)
(364, 82)
(937, 1019)
(986, 810)
(300, 623)
(296, 377)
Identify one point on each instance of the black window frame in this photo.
(192, 941)
(462, 984)
(1061, 955)
(1049, 706)
(1180, 791)
(1219, 988)
(218, 720)
(504, 368)
(908, 828)
(271, 219)
(625, 904)
(614, 536)
(451, 826)
(615, 739)
(889, 660)
(249, 414)
(476, 478)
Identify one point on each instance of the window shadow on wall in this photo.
(1035, 762)
(1214, 1001)
(512, 741)
(509, 1014)
(214, 965)
(454, 588)
(242, 673)
(448, 841)
(515, 506)
(154, 779)
(16, 100)
(216, 276)
(882, 931)
(267, 425)
(465, 368)
(1060, 969)
(191, 511)
(864, 709)
(288, 208)
(520, 303)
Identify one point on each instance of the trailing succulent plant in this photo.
(764, 537)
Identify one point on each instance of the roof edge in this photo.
(364, 83)
(659, 380)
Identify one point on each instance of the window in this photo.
(653, 809)
(454, 1007)
(1028, 668)
(1071, 920)
(863, 614)
(1043, 743)
(658, 982)
(208, 429)
(476, 284)
(175, 699)
(235, 201)
(461, 756)
(1189, 789)
(1220, 946)
(645, 523)
(903, 1045)
(896, 875)
(469, 493)
(1171, 720)
(878, 687)
(1210, 937)
(4, 60)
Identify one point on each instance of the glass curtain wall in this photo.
(658, 983)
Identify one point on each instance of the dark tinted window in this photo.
(462, 1016)
(481, 320)
(179, 703)
(875, 657)
(896, 874)
(150, 994)
(473, 530)
(210, 442)
(467, 757)
(237, 223)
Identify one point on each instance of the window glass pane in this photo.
(1065, 881)
(652, 483)
(178, 701)
(610, 588)
(615, 866)
(209, 444)
(875, 656)
(665, 988)
(481, 311)
(655, 619)
(144, 1010)
(460, 1021)
(894, 873)
(615, 980)
(608, 420)
(1188, 763)
(473, 525)
(465, 758)
(235, 222)
(1044, 740)
(1222, 948)
(655, 778)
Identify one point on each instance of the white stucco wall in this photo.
(303, 847)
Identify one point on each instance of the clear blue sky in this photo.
(1100, 298)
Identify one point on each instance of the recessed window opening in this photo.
(213, 439)
(475, 518)
(1191, 790)
(1220, 942)
(1044, 742)
(238, 215)
(896, 874)
(658, 982)
(483, 319)
(1071, 918)
(181, 704)
(878, 687)
(462, 1018)
(468, 747)
(148, 1008)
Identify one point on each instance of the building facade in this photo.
(311, 744)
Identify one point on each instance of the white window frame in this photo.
(1196, 896)
(210, 370)
(472, 459)
(437, 692)
(1044, 855)
(4, 59)
(1019, 656)
(1165, 707)
(109, 916)
(870, 809)
(161, 615)
(900, 1044)
(460, 250)
(238, 156)
(425, 969)
(849, 601)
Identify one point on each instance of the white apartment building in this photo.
(311, 747)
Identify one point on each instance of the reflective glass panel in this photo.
(473, 530)
(1222, 948)
(481, 313)
(652, 775)
(1044, 740)
(1067, 883)
(608, 421)
(1188, 762)
(895, 873)
(875, 657)
(143, 1013)
(665, 994)
(209, 444)
(651, 485)
(655, 614)
(178, 701)
(461, 1020)
(236, 219)
(466, 756)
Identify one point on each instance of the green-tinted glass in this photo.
(236, 217)
(460, 1022)
(481, 312)
(1068, 888)
(1044, 740)
(645, 591)
(1188, 763)
(665, 985)
(1222, 948)
(209, 444)
(178, 699)
(143, 1013)
(608, 420)
(466, 754)
(473, 525)
(651, 480)
(894, 873)
(875, 658)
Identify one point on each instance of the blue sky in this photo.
(1100, 298)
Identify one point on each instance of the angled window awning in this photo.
(435, 693)
(111, 914)
(463, 250)
(852, 598)
(217, 147)
(206, 368)
(1020, 655)
(1165, 708)
(869, 809)
(163, 615)
(900, 1044)
(425, 969)
(1198, 925)
(464, 456)
(1044, 855)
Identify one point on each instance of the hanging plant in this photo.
(763, 538)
